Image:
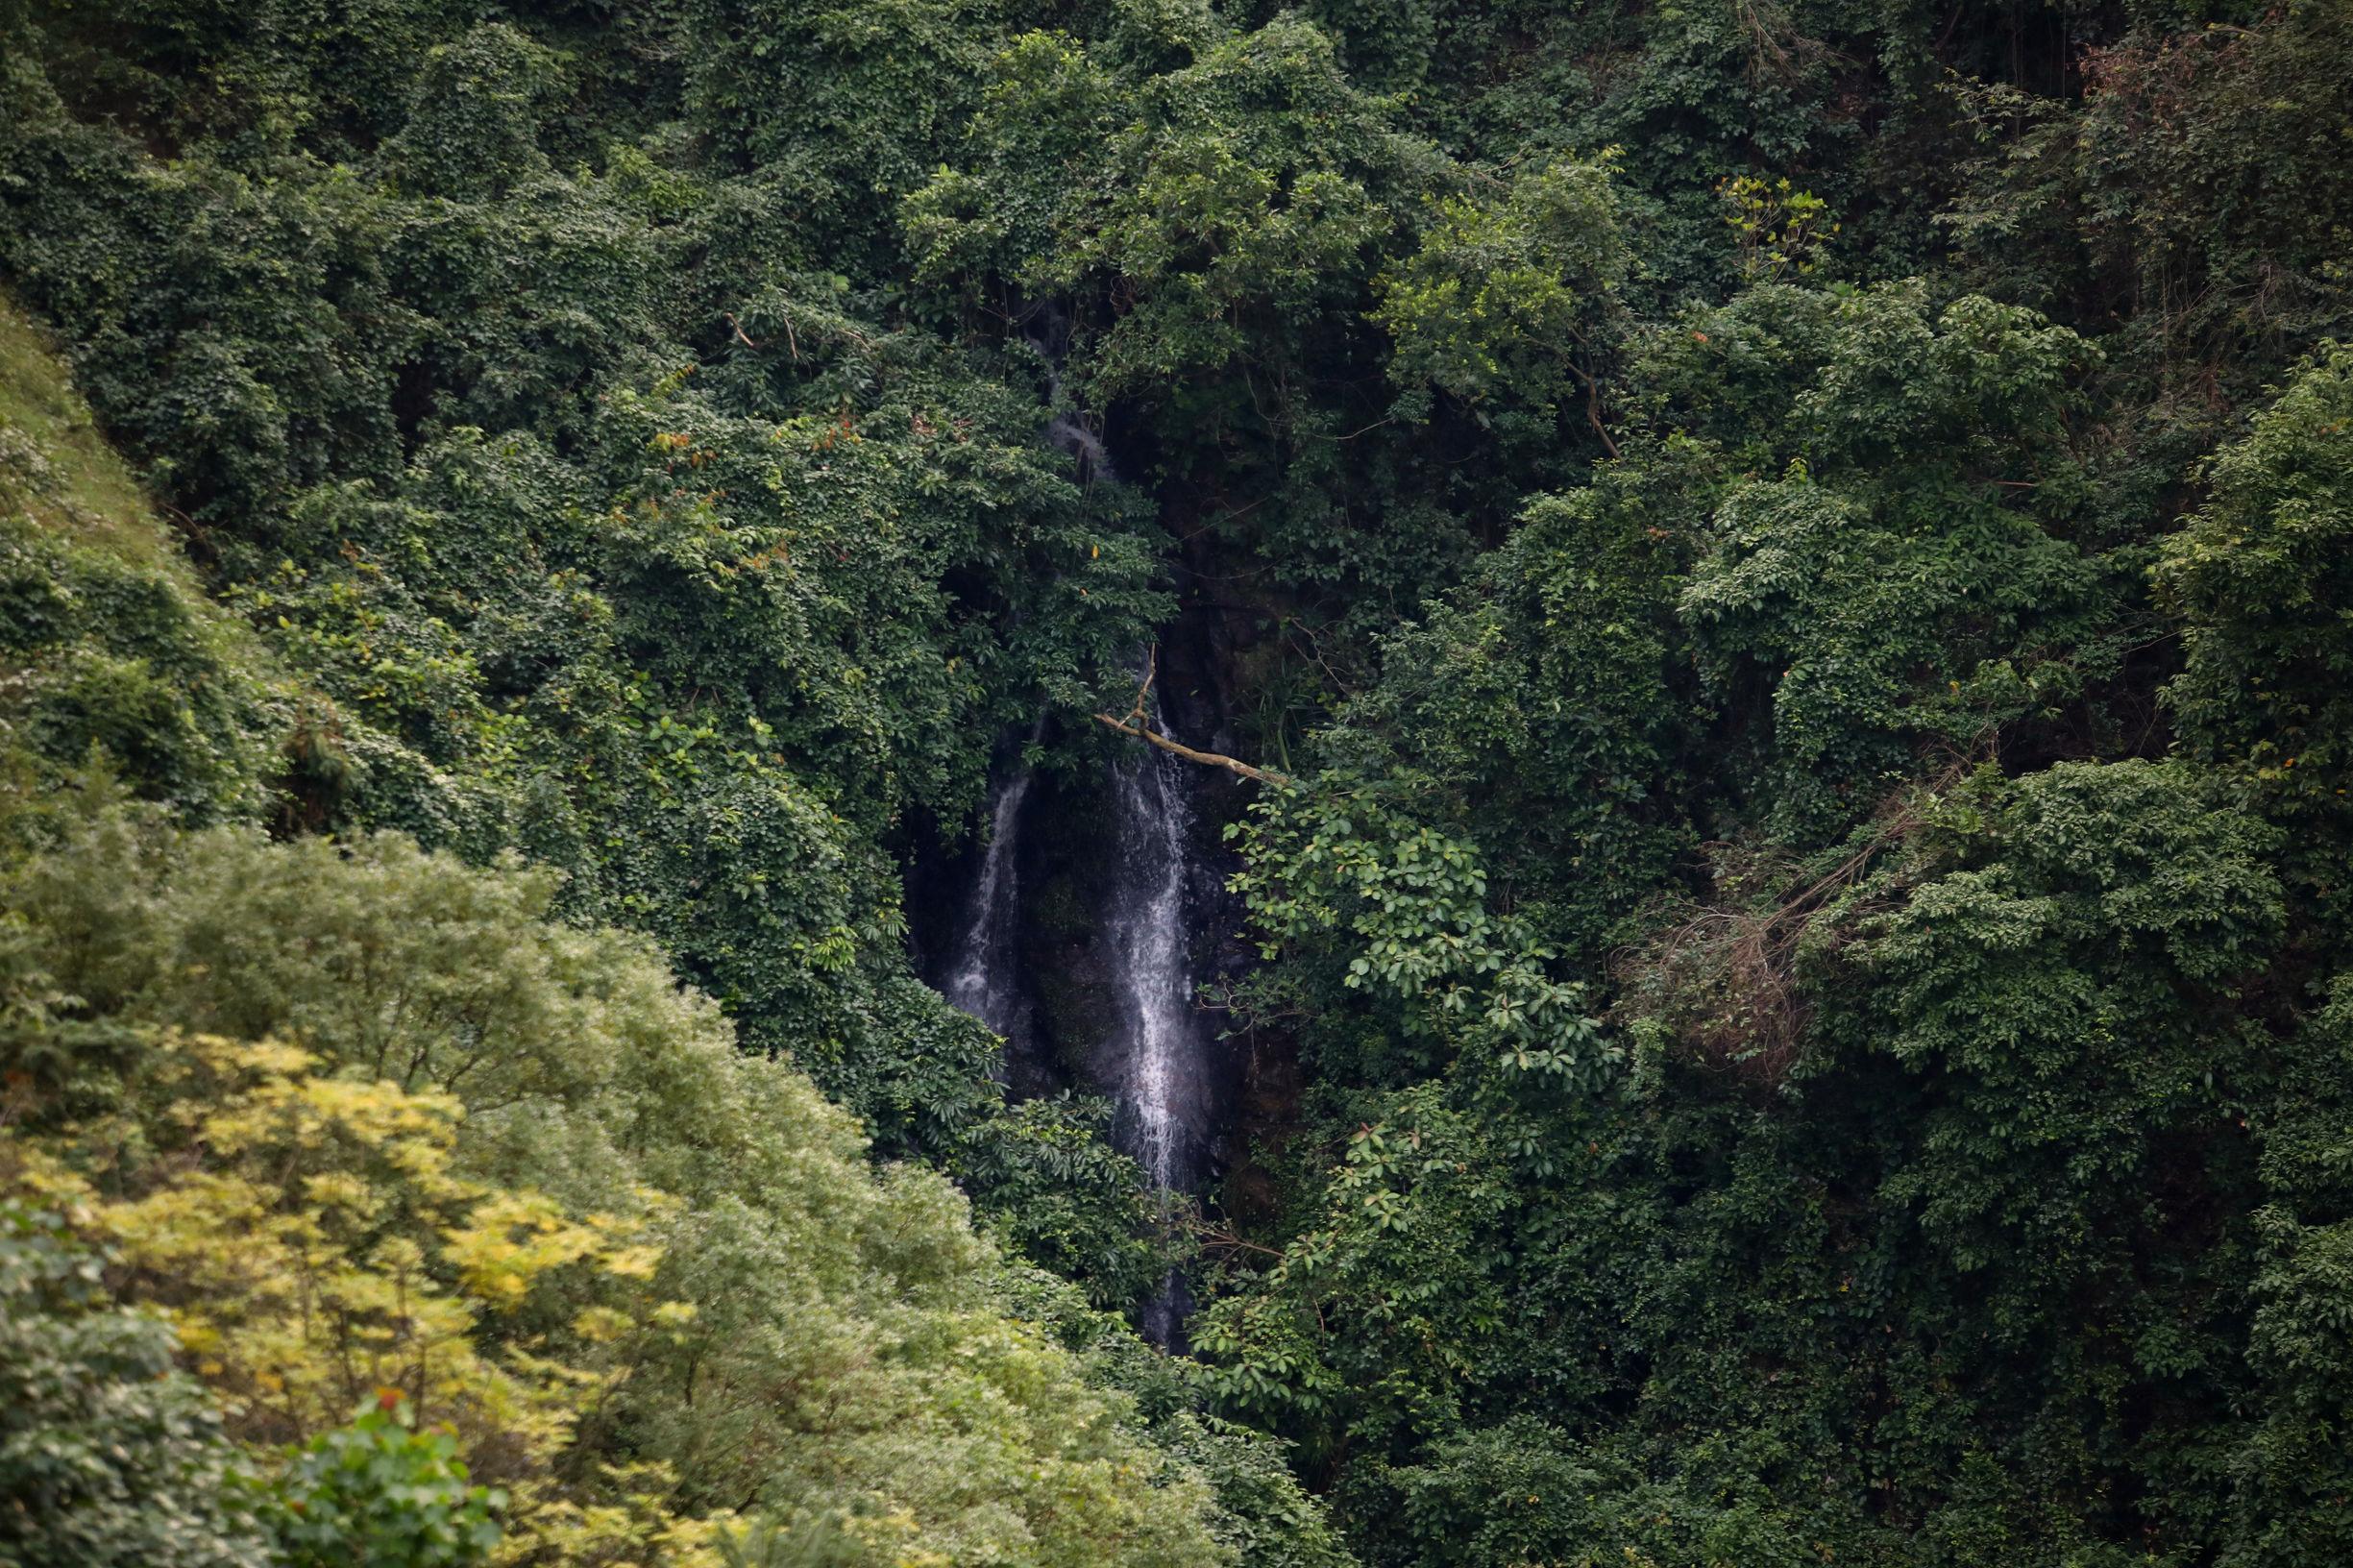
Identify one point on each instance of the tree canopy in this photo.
(1773, 576)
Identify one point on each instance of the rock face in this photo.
(1082, 928)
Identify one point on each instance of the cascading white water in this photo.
(983, 982)
(1065, 433)
(1158, 1061)
(1155, 1065)
(1158, 1057)
(1158, 1054)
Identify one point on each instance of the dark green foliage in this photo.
(1790, 557)
(1057, 1194)
(473, 116)
(2007, 1182)
(252, 76)
(1932, 1222)
(2261, 575)
(1520, 1492)
(262, 294)
(1893, 564)
(2067, 984)
(2199, 188)
(1217, 228)
(122, 659)
(1542, 707)
(837, 110)
(2293, 1466)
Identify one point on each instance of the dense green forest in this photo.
(1776, 580)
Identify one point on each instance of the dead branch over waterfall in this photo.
(1134, 725)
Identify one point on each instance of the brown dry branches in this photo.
(1136, 723)
(1726, 977)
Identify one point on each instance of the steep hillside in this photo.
(1602, 746)
(303, 1128)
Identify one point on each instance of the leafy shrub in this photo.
(379, 1493)
(517, 1174)
(108, 1453)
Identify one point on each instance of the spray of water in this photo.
(1159, 1055)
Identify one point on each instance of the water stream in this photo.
(1153, 1063)
(1154, 1067)
(984, 980)
(1157, 1056)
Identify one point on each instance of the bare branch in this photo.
(1593, 406)
(1212, 759)
(1225, 1240)
(1136, 723)
(790, 342)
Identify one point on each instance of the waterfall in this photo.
(1065, 433)
(983, 981)
(1157, 1054)
(1157, 1062)
(1153, 1065)
(1156, 1068)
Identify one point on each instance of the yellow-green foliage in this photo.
(382, 1125)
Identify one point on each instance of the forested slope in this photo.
(1784, 571)
(330, 1124)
